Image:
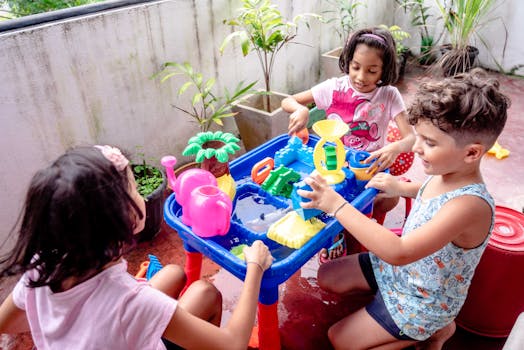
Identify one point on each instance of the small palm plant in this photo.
(212, 149)
(207, 108)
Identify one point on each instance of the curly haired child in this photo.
(421, 279)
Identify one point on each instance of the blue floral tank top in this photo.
(426, 295)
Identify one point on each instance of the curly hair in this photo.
(386, 47)
(468, 106)
(78, 216)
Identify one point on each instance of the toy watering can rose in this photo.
(205, 207)
(186, 183)
(210, 211)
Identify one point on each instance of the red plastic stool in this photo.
(496, 295)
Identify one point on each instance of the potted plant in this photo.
(151, 184)
(420, 15)
(343, 14)
(261, 28)
(462, 20)
(402, 51)
(207, 108)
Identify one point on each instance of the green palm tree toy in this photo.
(212, 150)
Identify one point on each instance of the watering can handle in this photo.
(169, 163)
(226, 220)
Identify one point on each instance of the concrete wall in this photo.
(86, 80)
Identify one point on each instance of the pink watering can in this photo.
(185, 183)
(209, 210)
(169, 163)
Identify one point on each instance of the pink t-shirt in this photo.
(109, 311)
(367, 114)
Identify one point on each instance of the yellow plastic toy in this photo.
(227, 184)
(293, 231)
(330, 131)
(498, 151)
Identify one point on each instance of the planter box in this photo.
(256, 126)
(329, 64)
(154, 212)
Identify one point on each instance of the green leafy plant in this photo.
(344, 14)
(20, 8)
(148, 178)
(263, 29)
(462, 20)
(420, 15)
(398, 36)
(207, 108)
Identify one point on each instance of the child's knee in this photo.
(385, 204)
(334, 337)
(326, 279)
(174, 272)
(207, 291)
(170, 280)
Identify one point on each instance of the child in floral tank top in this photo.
(420, 280)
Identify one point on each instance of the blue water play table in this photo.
(251, 206)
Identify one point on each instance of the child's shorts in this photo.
(377, 309)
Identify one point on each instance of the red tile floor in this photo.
(305, 312)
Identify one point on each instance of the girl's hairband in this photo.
(374, 36)
(115, 156)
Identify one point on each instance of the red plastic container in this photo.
(496, 294)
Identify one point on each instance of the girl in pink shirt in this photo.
(363, 99)
(75, 293)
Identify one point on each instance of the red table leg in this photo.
(192, 268)
(268, 335)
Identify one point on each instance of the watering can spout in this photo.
(169, 163)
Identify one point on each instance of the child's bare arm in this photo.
(406, 132)
(386, 156)
(464, 221)
(192, 332)
(389, 186)
(12, 319)
(296, 105)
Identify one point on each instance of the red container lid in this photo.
(508, 232)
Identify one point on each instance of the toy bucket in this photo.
(495, 297)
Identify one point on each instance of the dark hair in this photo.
(76, 219)
(386, 46)
(468, 106)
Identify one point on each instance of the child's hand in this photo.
(298, 120)
(387, 184)
(259, 254)
(383, 157)
(323, 196)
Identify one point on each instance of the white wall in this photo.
(86, 80)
